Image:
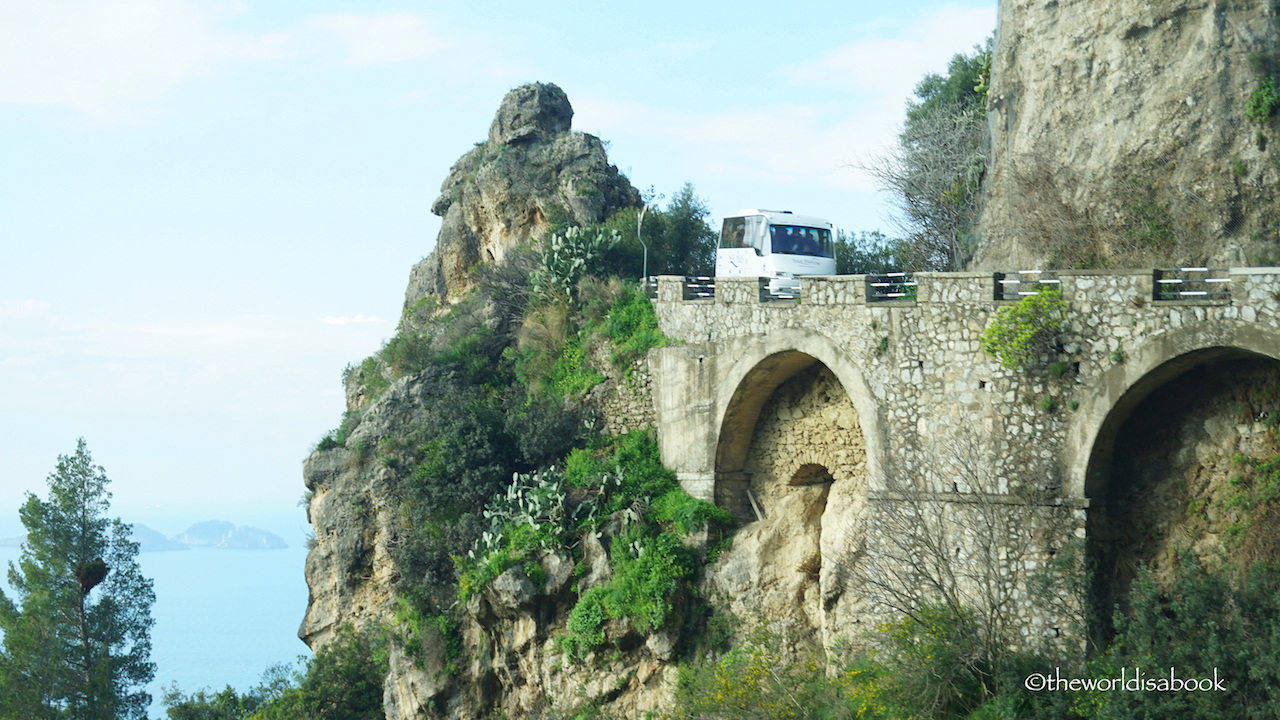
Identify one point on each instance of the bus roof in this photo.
(786, 217)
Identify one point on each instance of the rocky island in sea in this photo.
(223, 535)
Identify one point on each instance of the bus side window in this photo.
(733, 234)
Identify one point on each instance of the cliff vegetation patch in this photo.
(1026, 333)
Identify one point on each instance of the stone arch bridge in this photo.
(924, 393)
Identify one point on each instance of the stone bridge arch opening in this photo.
(792, 418)
(791, 463)
(1158, 475)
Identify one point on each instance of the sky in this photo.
(208, 208)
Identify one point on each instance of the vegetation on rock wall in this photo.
(1026, 333)
(502, 465)
(1265, 99)
(651, 562)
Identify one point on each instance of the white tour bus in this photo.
(778, 245)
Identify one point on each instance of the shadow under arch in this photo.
(764, 366)
(1159, 360)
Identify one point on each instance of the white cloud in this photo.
(862, 87)
(782, 143)
(234, 365)
(381, 39)
(891, 66)
(100, 57)
(22, 309)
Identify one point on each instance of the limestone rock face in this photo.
(1119, 137)
(531, 112)
(531, 173)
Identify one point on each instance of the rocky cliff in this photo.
(1120, 135)
(531, 174)
(499, 649)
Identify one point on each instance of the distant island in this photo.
(224, 535)
(150, 540)
(216, 534)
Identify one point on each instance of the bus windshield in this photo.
(800, 240)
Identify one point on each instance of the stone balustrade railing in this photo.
(1193, 286)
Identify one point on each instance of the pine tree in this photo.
(77, 634)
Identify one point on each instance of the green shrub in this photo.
(756, 680)
(1257, 491)
(338, 437)
(1020, 334)
(1203, 621)
(459, 456)
(630, 460)
(585, 629)
(632, 325)
(650, 570)
(1263, 101)
(687, 513)
(406, 353)
(652, 567)
(570, 374)
(476, 357)
(647, 570)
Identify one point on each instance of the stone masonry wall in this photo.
(925, 372)
(944, 427)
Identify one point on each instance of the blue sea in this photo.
(222, 616)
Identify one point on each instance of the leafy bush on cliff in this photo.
(1264, 101)
(462, 454)
(632, 325)
(620, 483)
(1021, 334)
(634, 457)
(652, 566)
